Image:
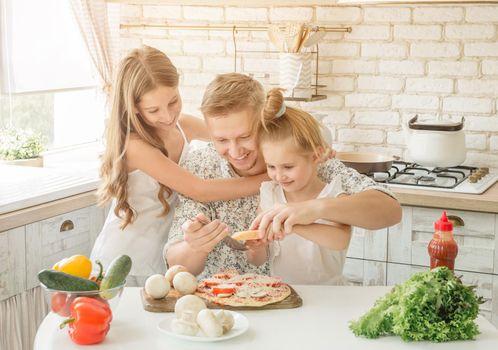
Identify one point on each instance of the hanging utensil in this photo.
(276, 37)
(304, 36)
(297, 38)
(229, 241)
(290, 32)
(315, 36)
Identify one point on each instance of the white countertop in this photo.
(22, 187)
(321, 323)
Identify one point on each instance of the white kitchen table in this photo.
(321, 323)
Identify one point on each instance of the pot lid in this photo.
(435, 124)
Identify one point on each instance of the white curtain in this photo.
(99, 25)
(20, 317)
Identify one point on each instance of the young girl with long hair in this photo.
(292, 146)
(147, 136)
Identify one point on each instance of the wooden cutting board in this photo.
(167, 304)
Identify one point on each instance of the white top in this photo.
(144, 239)
(296, 259)
(321, 323)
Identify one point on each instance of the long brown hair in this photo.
(279, 122)
(141, 71)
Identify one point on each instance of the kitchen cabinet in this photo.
(59, 237)
(12, 262)
(391, 256)
(27, 249)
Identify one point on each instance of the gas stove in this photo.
(460, 179)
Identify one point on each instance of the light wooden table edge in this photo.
(46, 210)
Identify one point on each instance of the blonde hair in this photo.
(294, 123)
(233, 92)
(141, 71)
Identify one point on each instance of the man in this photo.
(232, 106)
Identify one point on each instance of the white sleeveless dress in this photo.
(144, 239)
(297, 260)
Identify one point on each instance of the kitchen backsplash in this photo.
(399, 60)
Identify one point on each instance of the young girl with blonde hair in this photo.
(292, 146)
(147, 137)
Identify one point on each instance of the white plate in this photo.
(241, 325)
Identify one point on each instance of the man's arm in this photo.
(370, 209)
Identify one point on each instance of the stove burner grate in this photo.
(405, 173)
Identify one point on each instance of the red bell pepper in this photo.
(90, 321)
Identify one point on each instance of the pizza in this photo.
(246, 235)
(230, 288)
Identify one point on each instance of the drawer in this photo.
(53, 239)
(407, 241)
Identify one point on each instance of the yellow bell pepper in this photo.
(77, 265)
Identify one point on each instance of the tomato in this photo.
(223, 289)
(211, 283)
(61, 303)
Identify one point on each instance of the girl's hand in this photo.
(203, 235)
(280, 220)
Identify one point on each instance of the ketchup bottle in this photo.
(443, 248)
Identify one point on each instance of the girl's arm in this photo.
(194, 128)
(150, 160)
(335, 236)
(257, 252)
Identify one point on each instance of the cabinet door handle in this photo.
(456, 220)
(67, 225)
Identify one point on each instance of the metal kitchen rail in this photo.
(234, 28)
(219, 27)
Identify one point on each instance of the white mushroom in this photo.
(226, 320)
(185, 283)
(157, 286)
(173, 270)
(186, 325)
(190, 303)
(207, 321)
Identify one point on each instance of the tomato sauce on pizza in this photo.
(230, 288)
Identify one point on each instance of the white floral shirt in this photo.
(238, 214)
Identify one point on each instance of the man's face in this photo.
(235, 140)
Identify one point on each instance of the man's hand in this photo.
(203, 235)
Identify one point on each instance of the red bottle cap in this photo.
(443, 224)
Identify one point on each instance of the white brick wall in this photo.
(397, 61)
(386, 15)
(434, 85)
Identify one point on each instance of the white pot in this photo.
(435, 143)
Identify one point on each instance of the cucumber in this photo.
(65, 282)
(116, 273)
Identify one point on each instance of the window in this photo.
(48, 82)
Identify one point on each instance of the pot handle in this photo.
(435, 127)
(413, 121)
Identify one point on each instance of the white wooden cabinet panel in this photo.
(365, 272)
(407, 241)
(399, 239)
(48, 243)
(12, 262)
(366, 244)
(495, 269)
